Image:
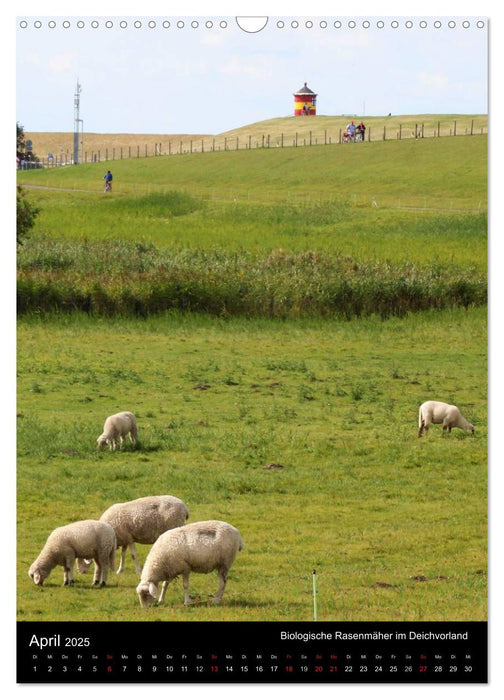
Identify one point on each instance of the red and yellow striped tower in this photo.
(304, 102)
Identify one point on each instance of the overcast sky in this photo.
(140, 75)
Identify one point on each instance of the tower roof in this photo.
(305, 90)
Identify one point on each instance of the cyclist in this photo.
(108, 181)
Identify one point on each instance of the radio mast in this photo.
(77, 122)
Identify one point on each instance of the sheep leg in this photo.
(187, 597)
(222, 585)
(68, 571)
(104, 571)
(135, 558)
(101, 571)
(111, 559)
(123, 557)
(97, 576)
(163, 591)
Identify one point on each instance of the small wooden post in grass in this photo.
(314, 576)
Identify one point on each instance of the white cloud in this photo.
(433, 81)
(212, 41)
(62, 62)
(32, 59)
(258, 67)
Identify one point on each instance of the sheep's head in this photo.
(147, 594)
(37, 574)
(102, 441)
(83, 565)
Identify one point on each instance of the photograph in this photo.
(252, 348)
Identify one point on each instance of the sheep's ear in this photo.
(153, 590)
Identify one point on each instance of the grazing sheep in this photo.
(116, 428)
(439, 412)
(142, 521)
(89, 539)
(201, 547)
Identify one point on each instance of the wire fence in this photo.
(297, 139)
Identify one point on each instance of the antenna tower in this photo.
(77, 123)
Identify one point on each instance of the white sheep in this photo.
(116, 428)
(86, 539)
(142, 521)
(199, 547)
(439, 412)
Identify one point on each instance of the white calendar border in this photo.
(278, 8)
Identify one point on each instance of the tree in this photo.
(26, 214)
(20, 138)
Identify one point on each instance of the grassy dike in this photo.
(268, 254)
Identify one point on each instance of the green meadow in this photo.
(273, 318)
